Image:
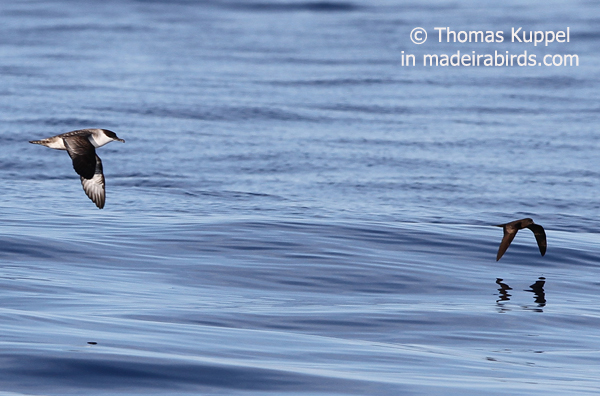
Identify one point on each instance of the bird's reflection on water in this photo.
(537, 289)
(504, 296)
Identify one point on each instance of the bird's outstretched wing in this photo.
(506, 240)
(83, 154)
(540, 236)
(94, 186)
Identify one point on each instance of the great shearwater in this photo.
(510, 230)
(81, 146)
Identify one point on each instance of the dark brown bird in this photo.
(510, 230)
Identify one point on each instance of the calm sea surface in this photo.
(294, 212)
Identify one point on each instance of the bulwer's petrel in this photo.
(510, 230)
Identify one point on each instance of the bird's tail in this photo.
(43, 142)
(52, 142)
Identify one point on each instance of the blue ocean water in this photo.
(294, 212)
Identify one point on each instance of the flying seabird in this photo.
(510, 230)
(81, 146)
